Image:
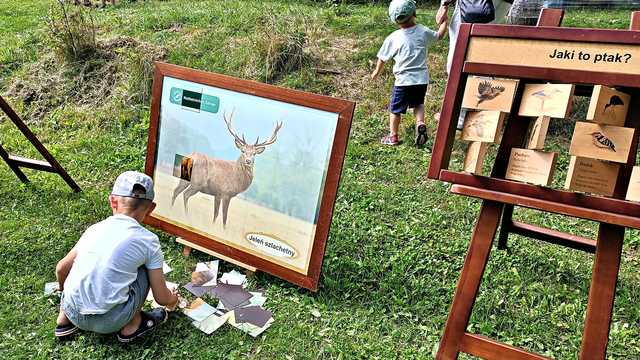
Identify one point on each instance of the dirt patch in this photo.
(120, 62)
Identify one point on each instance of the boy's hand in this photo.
(378, 70)
(174, 304)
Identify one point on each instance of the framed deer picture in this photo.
(247, 170)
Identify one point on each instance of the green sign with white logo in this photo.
(195, 100)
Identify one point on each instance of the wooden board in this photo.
(538, 133)
(483, 126)
(486, 93)
(604, 142)
(572, 53)
(592, 176)
(531, 166)
(608, 106)
(633, 192)
(553, 100)
(474, 158)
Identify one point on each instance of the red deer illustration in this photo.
(223, 179)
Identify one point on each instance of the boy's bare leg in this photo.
(394, 123)
(62, 319)
(134, 324)
(418, 111)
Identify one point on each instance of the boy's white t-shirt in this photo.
(109, 254)
(408, 47)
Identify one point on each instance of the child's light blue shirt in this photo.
(408, 47)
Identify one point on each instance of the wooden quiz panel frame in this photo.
(532, 55)
(207, 97)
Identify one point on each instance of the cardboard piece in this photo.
(531, 166)
(199, 310)
(538, 133)
(254, 315)
(231, 296)
(51, 288)
(608, 106)
(166, 268)
(485, 93)
(199, 290)
(604, 142)
(483, 126)
(250, 329)
(633, 191)
(213, 322)
(553, 100)
(233, 278)
(592, 176)
(474, 158)
(206, 274)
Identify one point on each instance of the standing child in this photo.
(408, 47)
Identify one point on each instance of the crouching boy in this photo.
(106, 277)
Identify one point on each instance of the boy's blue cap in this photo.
(125, 182)
(401, 10)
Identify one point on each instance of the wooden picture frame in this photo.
(203, 115)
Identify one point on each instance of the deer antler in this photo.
(228, 122)
(272, 139)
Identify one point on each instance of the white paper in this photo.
(211, 324)
(200, 313)
(212, 268)
(233, 278)
(257, 299)
(170, 285)
(165, 268)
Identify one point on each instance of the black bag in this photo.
(477, 11)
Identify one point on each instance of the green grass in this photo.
(397, 242)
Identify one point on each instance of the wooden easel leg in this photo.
(602, 291)
(16, 169)
(505, 226)
(470, 278)
(186, 251)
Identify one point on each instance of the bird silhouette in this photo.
(545, 94)
(614, 101)
(601, 141)
(486, 91)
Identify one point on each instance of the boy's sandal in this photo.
(62, 332)
(390, 140)
(421, 134)
(149, 321)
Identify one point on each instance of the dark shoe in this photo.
(421, 134)
(149, 321)
(63, 332)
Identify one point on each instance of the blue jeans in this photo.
(116, 318)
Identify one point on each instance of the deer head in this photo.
(249, 151)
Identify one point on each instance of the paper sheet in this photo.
(233, 278)
(165, 268)
(212, 323)
(199, 310)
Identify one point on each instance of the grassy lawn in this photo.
(397, 242)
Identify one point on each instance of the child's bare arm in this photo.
(161, 293)
(376, 72)
(442, 29)
(64, 266)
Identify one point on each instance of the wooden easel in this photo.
(16, 162)
(499, 196)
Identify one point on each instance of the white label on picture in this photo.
(271, 245)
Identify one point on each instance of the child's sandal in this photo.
(390, 140)
(149, 321)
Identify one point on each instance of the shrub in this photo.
(72, 31)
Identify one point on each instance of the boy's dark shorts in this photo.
(404, 97)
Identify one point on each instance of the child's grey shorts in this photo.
(116, 318)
